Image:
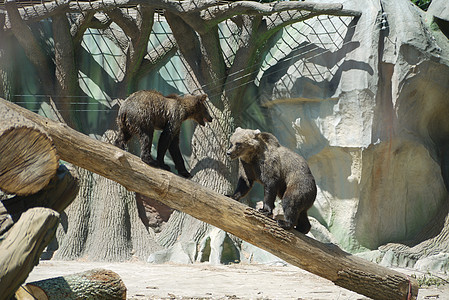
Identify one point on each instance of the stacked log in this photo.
(28, 157)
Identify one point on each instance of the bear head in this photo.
(244, 144)
(199, 110)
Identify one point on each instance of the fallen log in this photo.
(28, 157)
(93, 284)
(22, 245)
(327, 261)
(57, 195)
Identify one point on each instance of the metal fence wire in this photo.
(302, 50)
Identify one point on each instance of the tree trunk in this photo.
(30, 45)
(6, 58)
(104, 224)
(29, 159)
(211, 168)
(66, 73)
(93, 284)
(323, 260)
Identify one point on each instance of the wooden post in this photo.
(93, 284)
(327, 261)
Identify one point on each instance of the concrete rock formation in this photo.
(374, 128)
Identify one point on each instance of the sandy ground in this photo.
(205, 281)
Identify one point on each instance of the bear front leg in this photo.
(176, 155)
(243, 187)
(162, 147)
(270, 193)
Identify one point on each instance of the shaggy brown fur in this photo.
(144, 111)
(281, 171)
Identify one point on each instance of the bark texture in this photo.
(97, 284)
(22, 246)
(327, 261)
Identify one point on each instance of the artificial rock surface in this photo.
(374, 128)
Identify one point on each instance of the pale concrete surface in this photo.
(205, 281)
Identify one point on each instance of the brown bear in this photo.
(281, 171)
(144, 111)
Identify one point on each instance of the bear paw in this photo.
(185, 174)
(164, 166)
(266, 212)
(149, 161)
(285, 225)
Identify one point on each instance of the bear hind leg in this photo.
(295, 214)
(123, 137)
(176, 155)
(162, 147)
(291, 211)
(303, 224)
(146, 140)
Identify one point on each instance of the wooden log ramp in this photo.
(327, 261)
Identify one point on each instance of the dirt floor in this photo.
(205, 281)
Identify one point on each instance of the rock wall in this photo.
(371, 115)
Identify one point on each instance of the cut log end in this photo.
(28, 161)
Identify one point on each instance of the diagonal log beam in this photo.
(327, 261)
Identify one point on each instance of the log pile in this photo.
(29, 169)
(27, 225)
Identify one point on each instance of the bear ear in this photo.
(202, 98)
(256, 133)
(238, 129)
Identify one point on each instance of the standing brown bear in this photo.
(144, 111)
(281, 171)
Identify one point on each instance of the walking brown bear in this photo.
(144, 111)
(281, 171)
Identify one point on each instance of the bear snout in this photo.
(207, 119)
(231, 154)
